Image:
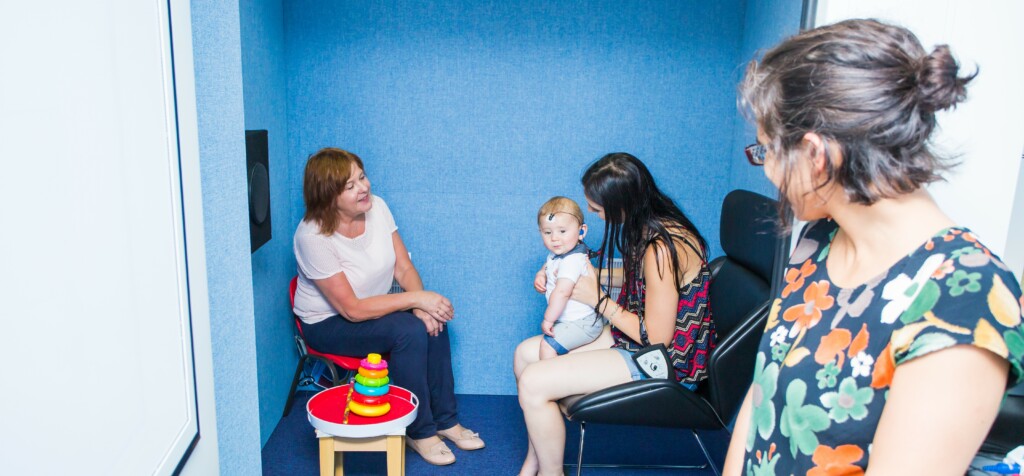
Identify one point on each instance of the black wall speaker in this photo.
(257, 175)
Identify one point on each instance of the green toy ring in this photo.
(372, 382)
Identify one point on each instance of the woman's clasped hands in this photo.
(434, 310)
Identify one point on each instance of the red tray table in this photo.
(326, 412)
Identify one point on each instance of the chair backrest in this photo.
(292, 286)
(344, 361)
(740, 294)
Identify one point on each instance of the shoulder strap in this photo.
(700, 253)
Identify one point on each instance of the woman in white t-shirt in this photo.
(348, 252)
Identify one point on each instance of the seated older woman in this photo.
(348, 252)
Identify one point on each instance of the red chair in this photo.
(331, 361)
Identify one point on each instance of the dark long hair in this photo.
(637, 214)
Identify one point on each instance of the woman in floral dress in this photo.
(896, 332)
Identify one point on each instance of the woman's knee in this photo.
(409, 332)
(532, 387)
(526, 351)
(517, 356)
(521, 347)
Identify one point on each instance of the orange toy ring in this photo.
(368, 373)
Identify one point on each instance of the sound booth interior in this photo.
(468, 116)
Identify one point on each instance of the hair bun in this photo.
(938, 86)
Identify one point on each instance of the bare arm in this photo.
(559, 298)
(338, 292)
(616, 275)
(662, 298)
(540, 280)
(661, 303)
(405, 273)
(940, 407)
(434, 313)
(433, 304)
(737, 444)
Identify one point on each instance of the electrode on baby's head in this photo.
(558, 205)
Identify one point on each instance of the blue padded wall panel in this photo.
(265, 94)
(219, 107)
(469, 115)
(767, 23)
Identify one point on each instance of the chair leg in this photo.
(295, 383)
(335, 378)
(579, 457)
(706, 455)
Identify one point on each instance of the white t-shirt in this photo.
(367, 260)
(570, 267)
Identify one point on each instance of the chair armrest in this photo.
(732, 363)
(1008, 430)
(653, 402)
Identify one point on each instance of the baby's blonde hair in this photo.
(560, 205)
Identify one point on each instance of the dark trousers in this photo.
(418, 362)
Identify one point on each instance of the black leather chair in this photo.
(740, 300)
(1007, 431)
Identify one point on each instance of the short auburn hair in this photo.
(326, 173)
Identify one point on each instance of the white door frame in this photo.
(204, 458)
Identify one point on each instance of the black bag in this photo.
(654, 362)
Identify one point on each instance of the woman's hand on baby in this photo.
(434, 327)
(540, 281)
(436, 305)
(586, 290)
(547, 328)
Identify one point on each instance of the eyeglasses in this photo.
(755, 153)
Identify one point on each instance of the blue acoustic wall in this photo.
(218, 81)
(469, 115)
(766, 23)
(273, 265)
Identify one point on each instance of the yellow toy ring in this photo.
(369, 410)
(373, 373)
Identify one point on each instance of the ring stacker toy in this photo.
(368, 395)
(368, 414)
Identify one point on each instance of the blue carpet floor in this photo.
(292, 448)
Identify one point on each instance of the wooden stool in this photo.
(333, 447)
(384, 433)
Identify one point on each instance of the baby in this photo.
(567, 324)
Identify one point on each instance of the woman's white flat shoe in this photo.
(466, 439)
(439, 454)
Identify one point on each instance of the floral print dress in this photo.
(827, 356)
